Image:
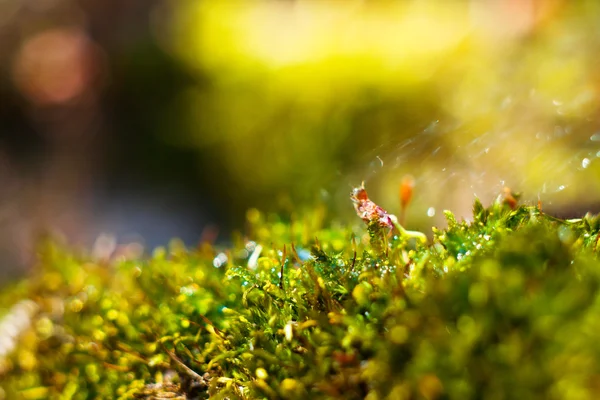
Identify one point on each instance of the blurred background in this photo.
(145, 120)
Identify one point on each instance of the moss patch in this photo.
(505, 306)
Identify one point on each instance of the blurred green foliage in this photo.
(292, 97)
(505, 306)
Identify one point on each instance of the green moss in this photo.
(503, 307)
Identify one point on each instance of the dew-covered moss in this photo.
(503, 307)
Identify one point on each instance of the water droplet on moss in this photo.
(585, 162)
(565, 234)
(220, 260)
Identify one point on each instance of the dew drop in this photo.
(565, 234)
(430, 212)
(585, 162)
(220, 260)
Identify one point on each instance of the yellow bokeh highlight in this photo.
(289, 94)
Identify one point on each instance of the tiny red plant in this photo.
(367, 210)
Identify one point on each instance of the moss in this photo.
(504, 306)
